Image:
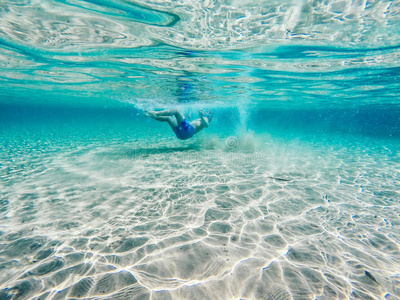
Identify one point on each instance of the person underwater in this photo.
(179, 125)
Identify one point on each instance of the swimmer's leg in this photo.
(166, 113)
(170, 120)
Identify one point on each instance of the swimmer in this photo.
(182, 128)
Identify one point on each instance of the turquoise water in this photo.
(291, 193)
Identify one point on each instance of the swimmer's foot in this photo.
(151, 114)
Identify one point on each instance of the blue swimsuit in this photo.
(184, 130)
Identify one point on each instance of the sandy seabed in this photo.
(283, 220)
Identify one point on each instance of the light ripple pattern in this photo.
(152, 219)
(278, 52)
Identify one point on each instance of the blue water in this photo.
(292, 192)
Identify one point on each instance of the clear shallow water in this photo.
(291, 193)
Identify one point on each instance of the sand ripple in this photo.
(296, 220)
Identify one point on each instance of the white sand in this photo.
(265, 220)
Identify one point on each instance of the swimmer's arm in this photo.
(204, 121)
(198, 125)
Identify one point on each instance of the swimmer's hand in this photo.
(203, 113)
